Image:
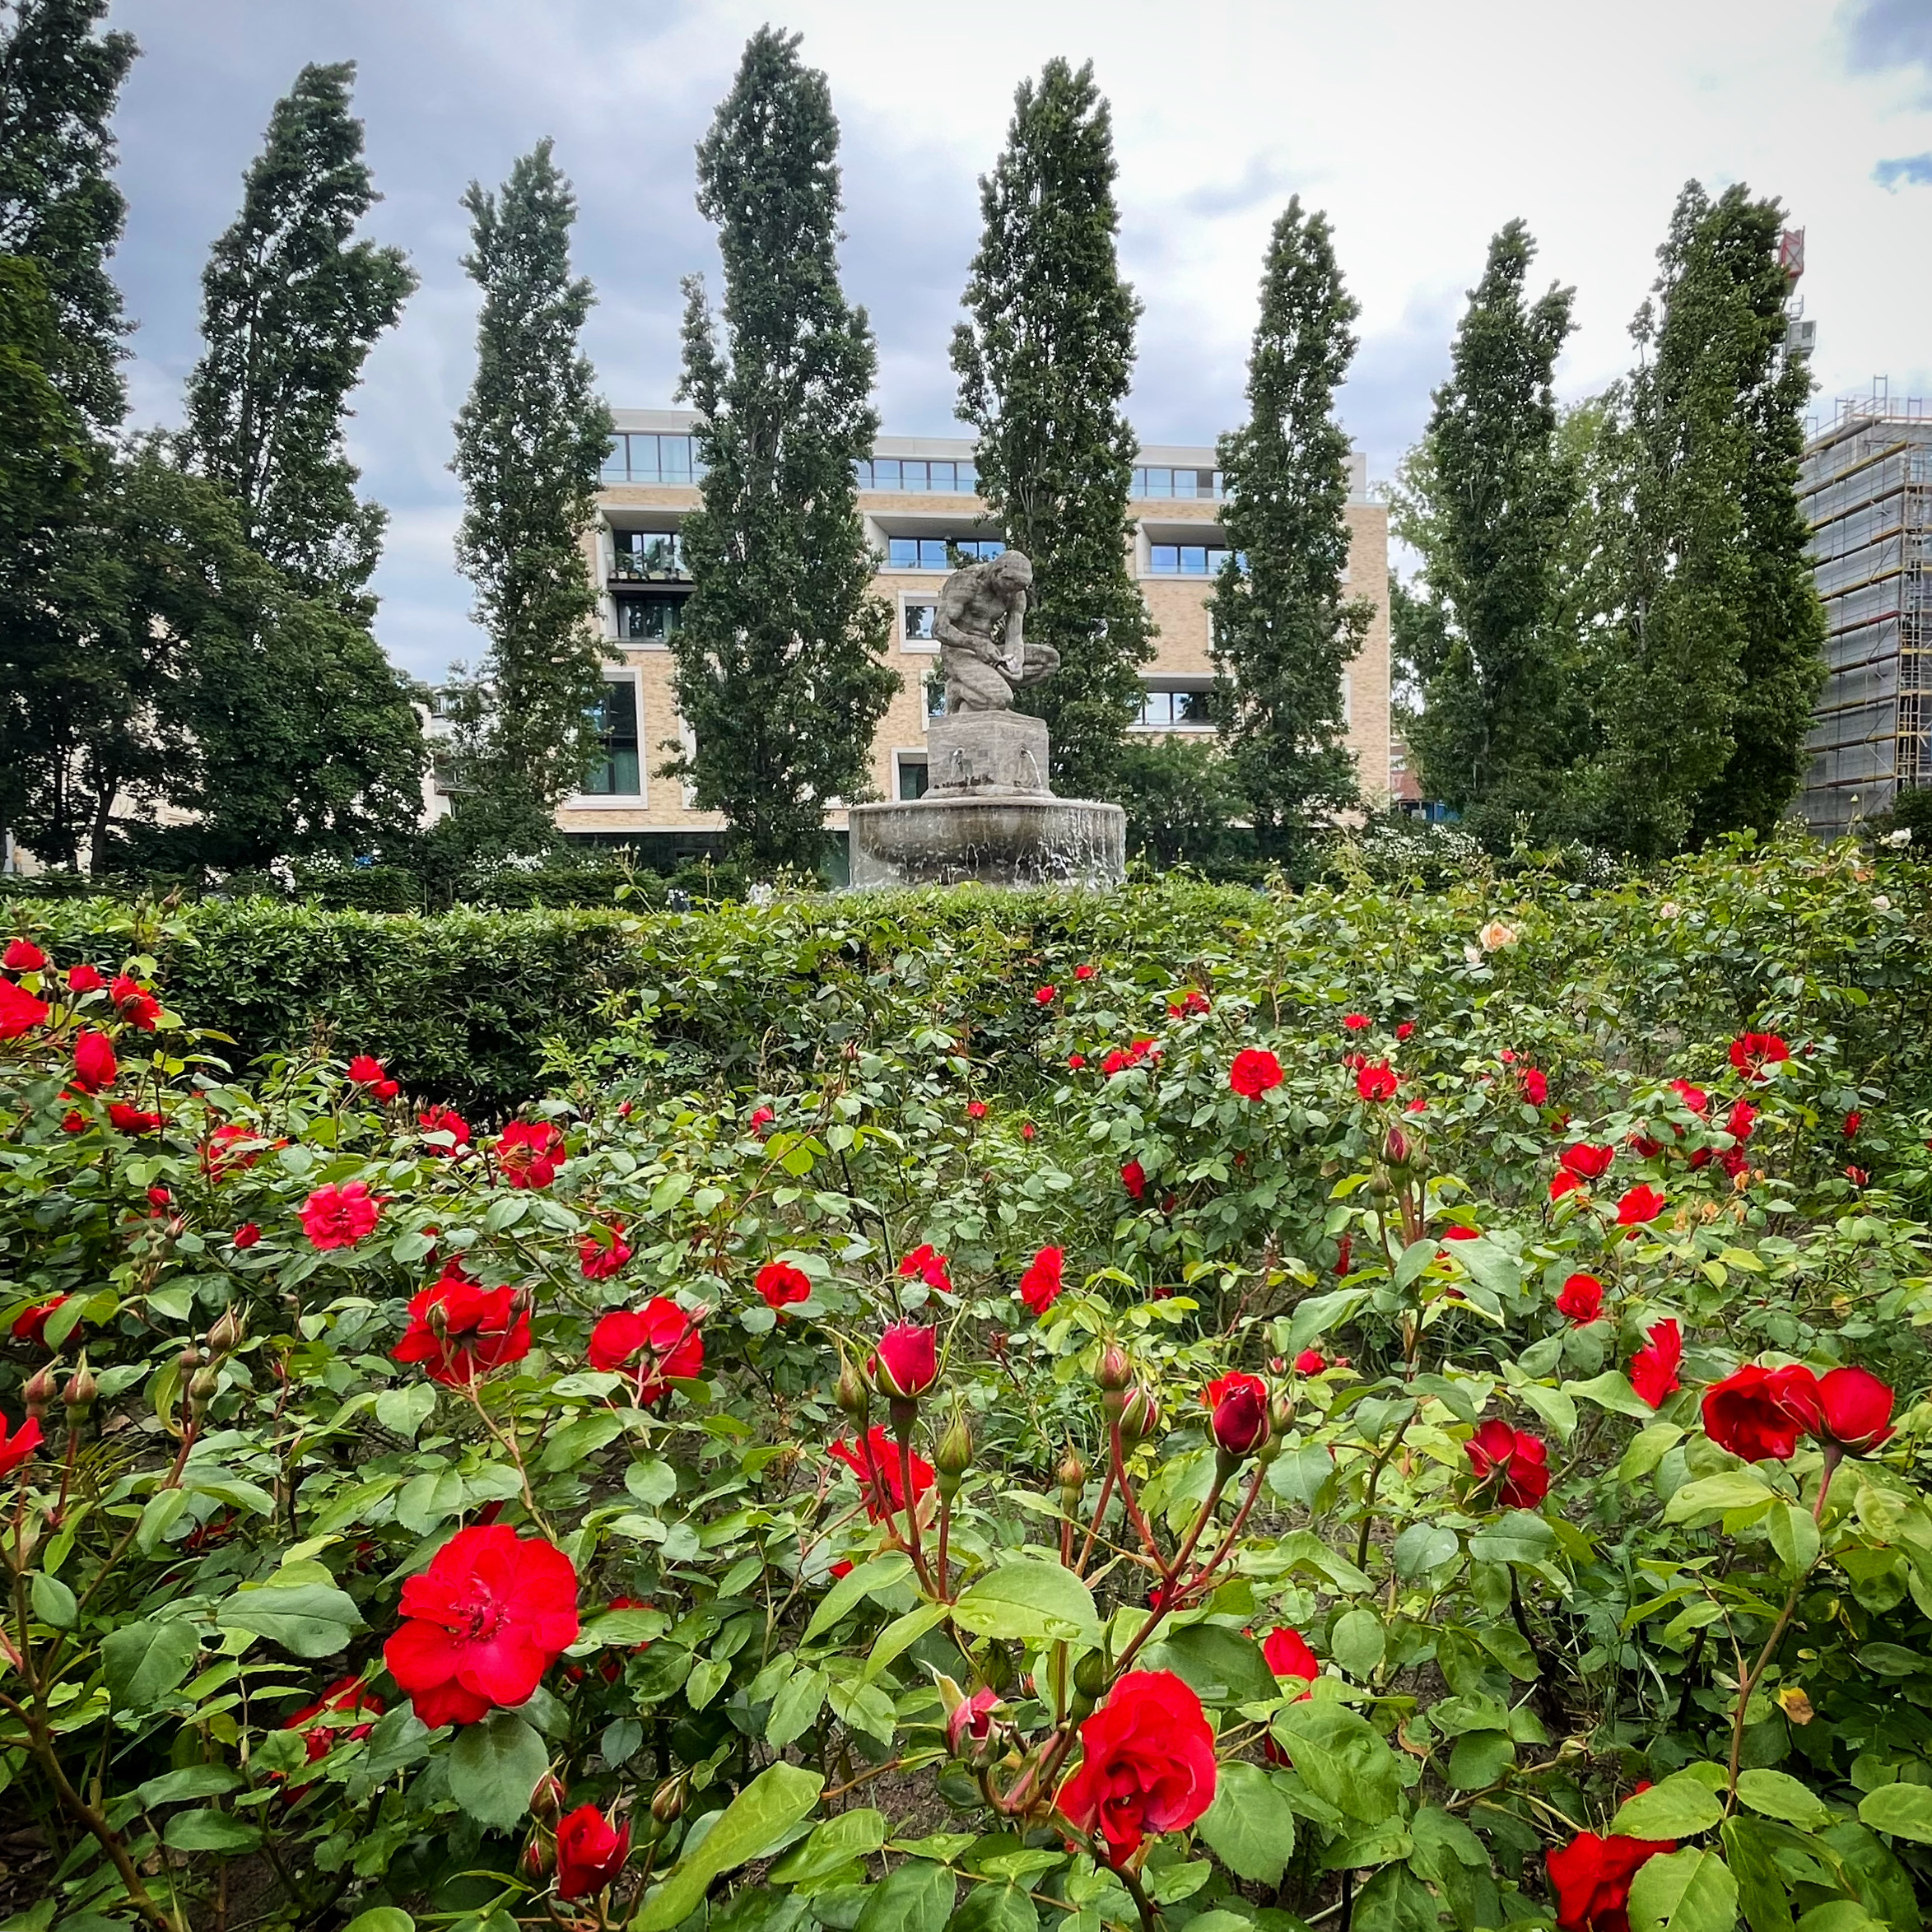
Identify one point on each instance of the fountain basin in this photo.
(938, 841)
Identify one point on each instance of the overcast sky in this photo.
(1420, 127)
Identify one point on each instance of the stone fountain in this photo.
(989, 815)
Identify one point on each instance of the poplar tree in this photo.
(1044, 364)
(1283, 632)
(291, 308)
(528, 444)
(1500, 494)
(780, 666)
(1721, 640)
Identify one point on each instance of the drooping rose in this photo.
(1694, 1098)
(20, 1011)
(907, 1360)
(1040, 1285)
(368, 1073)
(1653, 1369)
(1517, 1461)
(95, 1067)
(15, 1448)
(126, 1119)
(590, 1852)
(1591, 1877)
(134, 1003)
(443, 1120)
(1376, 1082)
(926, 1263)
(1133, 1177)
(31, 1324)
(1751, 1053)
(874, 1460)
(1759, 1413)
(528, 1152)
(246, 1235)
(1638, 1205)
(1857, 1409)
(780, 1284)
(1287, 1654)
(459, 1330)
(1535, 1086)
(1311, 1361)
(1237, 1405)
(1581, 1299)
(23, 956)
(339, 1217)
(490, 1614)
(599, 1259)
(655, 1346)
(1147, 1764)
(1255, 1071)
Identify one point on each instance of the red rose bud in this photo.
(1139, 1413)
(1072, 1476)
(590, 1852)
(1581, 1299)
(969, 1722)
(1311, 1361)
(907, 1362)
(1241, 1414)
(1113, 1372)
(1857, 1409)
(1395, 1147)
(39, 1393)
(1517, 1461)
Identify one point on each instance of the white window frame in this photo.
(640, 799)
(918, 755)
(923, 647)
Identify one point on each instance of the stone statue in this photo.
(983, 647)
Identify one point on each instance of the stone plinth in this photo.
(987, 755)
(938, 841)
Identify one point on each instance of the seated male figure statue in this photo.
(983, 650)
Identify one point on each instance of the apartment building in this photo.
(917, 494)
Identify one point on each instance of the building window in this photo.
(1147, 483)
(930, 553)
(916, 623)
(649, 620)
(935, 691)
(639, 556)
(912, 777)
(652, 459)
(919, 474)
(1171, 708)
(615, 775)
(1186, 560)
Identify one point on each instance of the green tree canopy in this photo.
(1044, 364)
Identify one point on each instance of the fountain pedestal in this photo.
(956, 840)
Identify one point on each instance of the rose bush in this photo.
(700, 1498)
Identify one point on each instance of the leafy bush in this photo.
(1297, 1346)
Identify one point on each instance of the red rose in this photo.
(762, 1118)
(20, 1011)
(907, 1360)
(1040, 1285)
(528, 1153)
(1516, 1461)
(1857, 1409)
(1751, 1053)
(1147, 1764)
(1585, 1161)
(1026, 1130)
(1376, 1082)
(1116, 1062)
(874, 1460)
(1853, 1121)
(1405, 1029)
(1653, 1369)
(656, 1345)
(1076, 1061)
(83, 979)
(1239, 1403)
(1133, 1177)
(926, 1263)
(780, 1284)
(134, 1003)
(1693, 1097)
(232, 1145)
(1643, 1145)
(1287, 1654)
(490, 1614)
(1457, 1232)
(1344, 1254)
(159, 1197)
(1581, 1299)
(597, 1259)
(1311, 1361)
(975, 1110)
(246, 1235)
(443, 1120)
(126, 1120)
(347, 1696)
(1083, 972)
(22, 956)
(16, 1448)
(1254, 1070)
(1355, 1022)
(1591, 1878)
(31, 1324)
(1535, 1086)
(1639, 1204)
(1740, 1120)
(1759, 1413)
(366, 1071)
(970, 1718)
(1858, 1176)
(339, 1217)
(460, 1330)
(1044, 995)
(590, 1852)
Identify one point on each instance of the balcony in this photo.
(1158, 483)
(647, 556)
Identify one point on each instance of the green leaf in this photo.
(994, 1908)
(832, 1846)
(381, 1918)
(1904, 1811)
(1679, 1806)
(1249, 1826)
(403, 1411)
(1778, 1796)
(1423, 1547)
(577, 1440)
(1751, 1851)
(1219, 1666)
(143, 1662)
(900, 1634)
(494, 1767)
(1479, 1758)
(193, 1780)
(1357, 1643)
(750, 1825)
(1032, 1602)
(1794, 1536)
(796, 1707)
(1649, 1447)
(1611, 1390)
(158, 1516)
(1718, 1495)
(864, 1707)
(307, 1620)
(851, 1590)
(52, 1601)
(1682, 1891)
(1341, 1759)
(918, 1897)
(209, 1831)
(708, 1677)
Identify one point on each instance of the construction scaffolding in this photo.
(1865, 486)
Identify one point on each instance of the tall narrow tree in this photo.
(1722, 636)
(1283, 632)
(780, 666)
(1502, 493)
(529, 443)
(291, 307)
(1044, 364)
